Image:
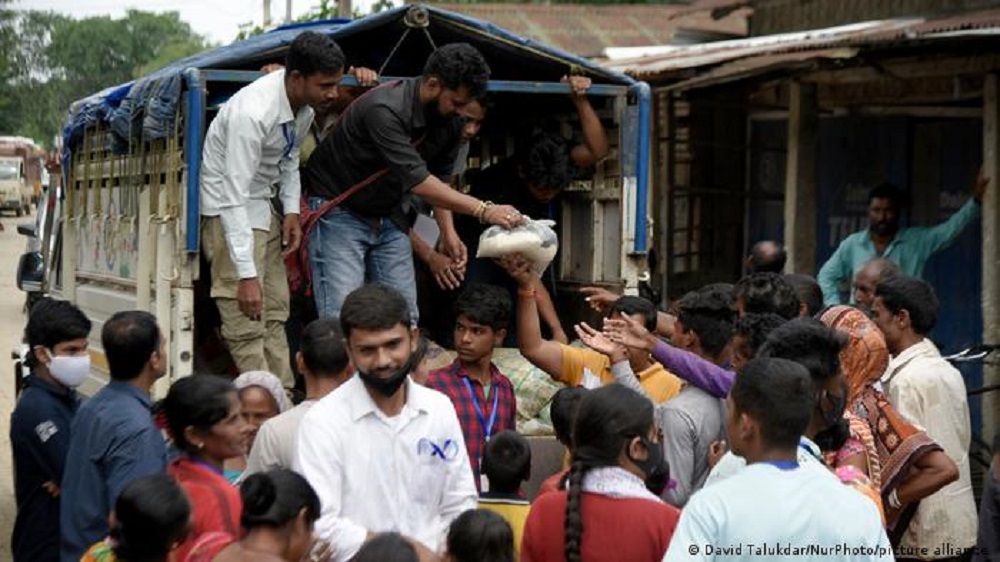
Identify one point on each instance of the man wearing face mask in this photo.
(40, 424)
(382, 452)
(114, 438)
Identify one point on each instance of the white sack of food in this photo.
(535, 240)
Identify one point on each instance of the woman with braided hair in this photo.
(606, 511)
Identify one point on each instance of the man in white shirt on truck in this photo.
(250, 194)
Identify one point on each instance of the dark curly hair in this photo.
(809, 342)
(546, 162)
(816, 347)
(768, 292)
(488, 305)
(755, 328)
(457, 65)
(709, 313)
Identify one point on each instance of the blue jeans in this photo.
(345, 252)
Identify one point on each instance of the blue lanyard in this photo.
(782, 465)
(289, 134)
(487, 427)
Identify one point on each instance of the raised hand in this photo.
(598, 342)
(520, 269)
(579, 85)
(599, 298)
(365, 76)
(628, 332)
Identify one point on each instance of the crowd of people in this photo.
(747, 422)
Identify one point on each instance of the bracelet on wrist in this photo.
(894, 499)
(528, 294)
(481, 211)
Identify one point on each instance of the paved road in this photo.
(11, 328)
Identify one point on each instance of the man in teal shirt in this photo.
(910, 248)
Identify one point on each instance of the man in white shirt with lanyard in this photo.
(382, 452)
(250, 195)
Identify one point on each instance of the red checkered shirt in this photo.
(450, 381)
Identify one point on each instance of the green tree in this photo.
(8, 34)
(56, 60)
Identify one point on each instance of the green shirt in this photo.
(910, 250)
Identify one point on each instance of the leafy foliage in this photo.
(52, 60)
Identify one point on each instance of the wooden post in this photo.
(991, 248)
(800, 179)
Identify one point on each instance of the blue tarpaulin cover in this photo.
(145, 109)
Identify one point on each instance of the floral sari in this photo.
(893, 445)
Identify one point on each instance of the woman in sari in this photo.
(899, 459)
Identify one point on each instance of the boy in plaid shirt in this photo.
(483, 397)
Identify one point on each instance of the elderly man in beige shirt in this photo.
(931, 393)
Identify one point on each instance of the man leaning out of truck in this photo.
(250, 194)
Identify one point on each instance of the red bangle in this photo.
(527, 294)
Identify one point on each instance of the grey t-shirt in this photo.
(690, 422)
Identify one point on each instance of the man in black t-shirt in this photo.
(531, 181)
(408, 132)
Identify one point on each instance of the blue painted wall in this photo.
(935, 161)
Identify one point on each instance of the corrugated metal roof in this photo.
(755, 66)
(587, 29)
(865, 34)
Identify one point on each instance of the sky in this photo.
(219, 20)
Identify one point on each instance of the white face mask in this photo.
(70, 370)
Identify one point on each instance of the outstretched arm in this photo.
(544, 354)
(941, 236)
(595, 139)
(705, 375)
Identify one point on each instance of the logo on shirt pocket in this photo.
(445, 450)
